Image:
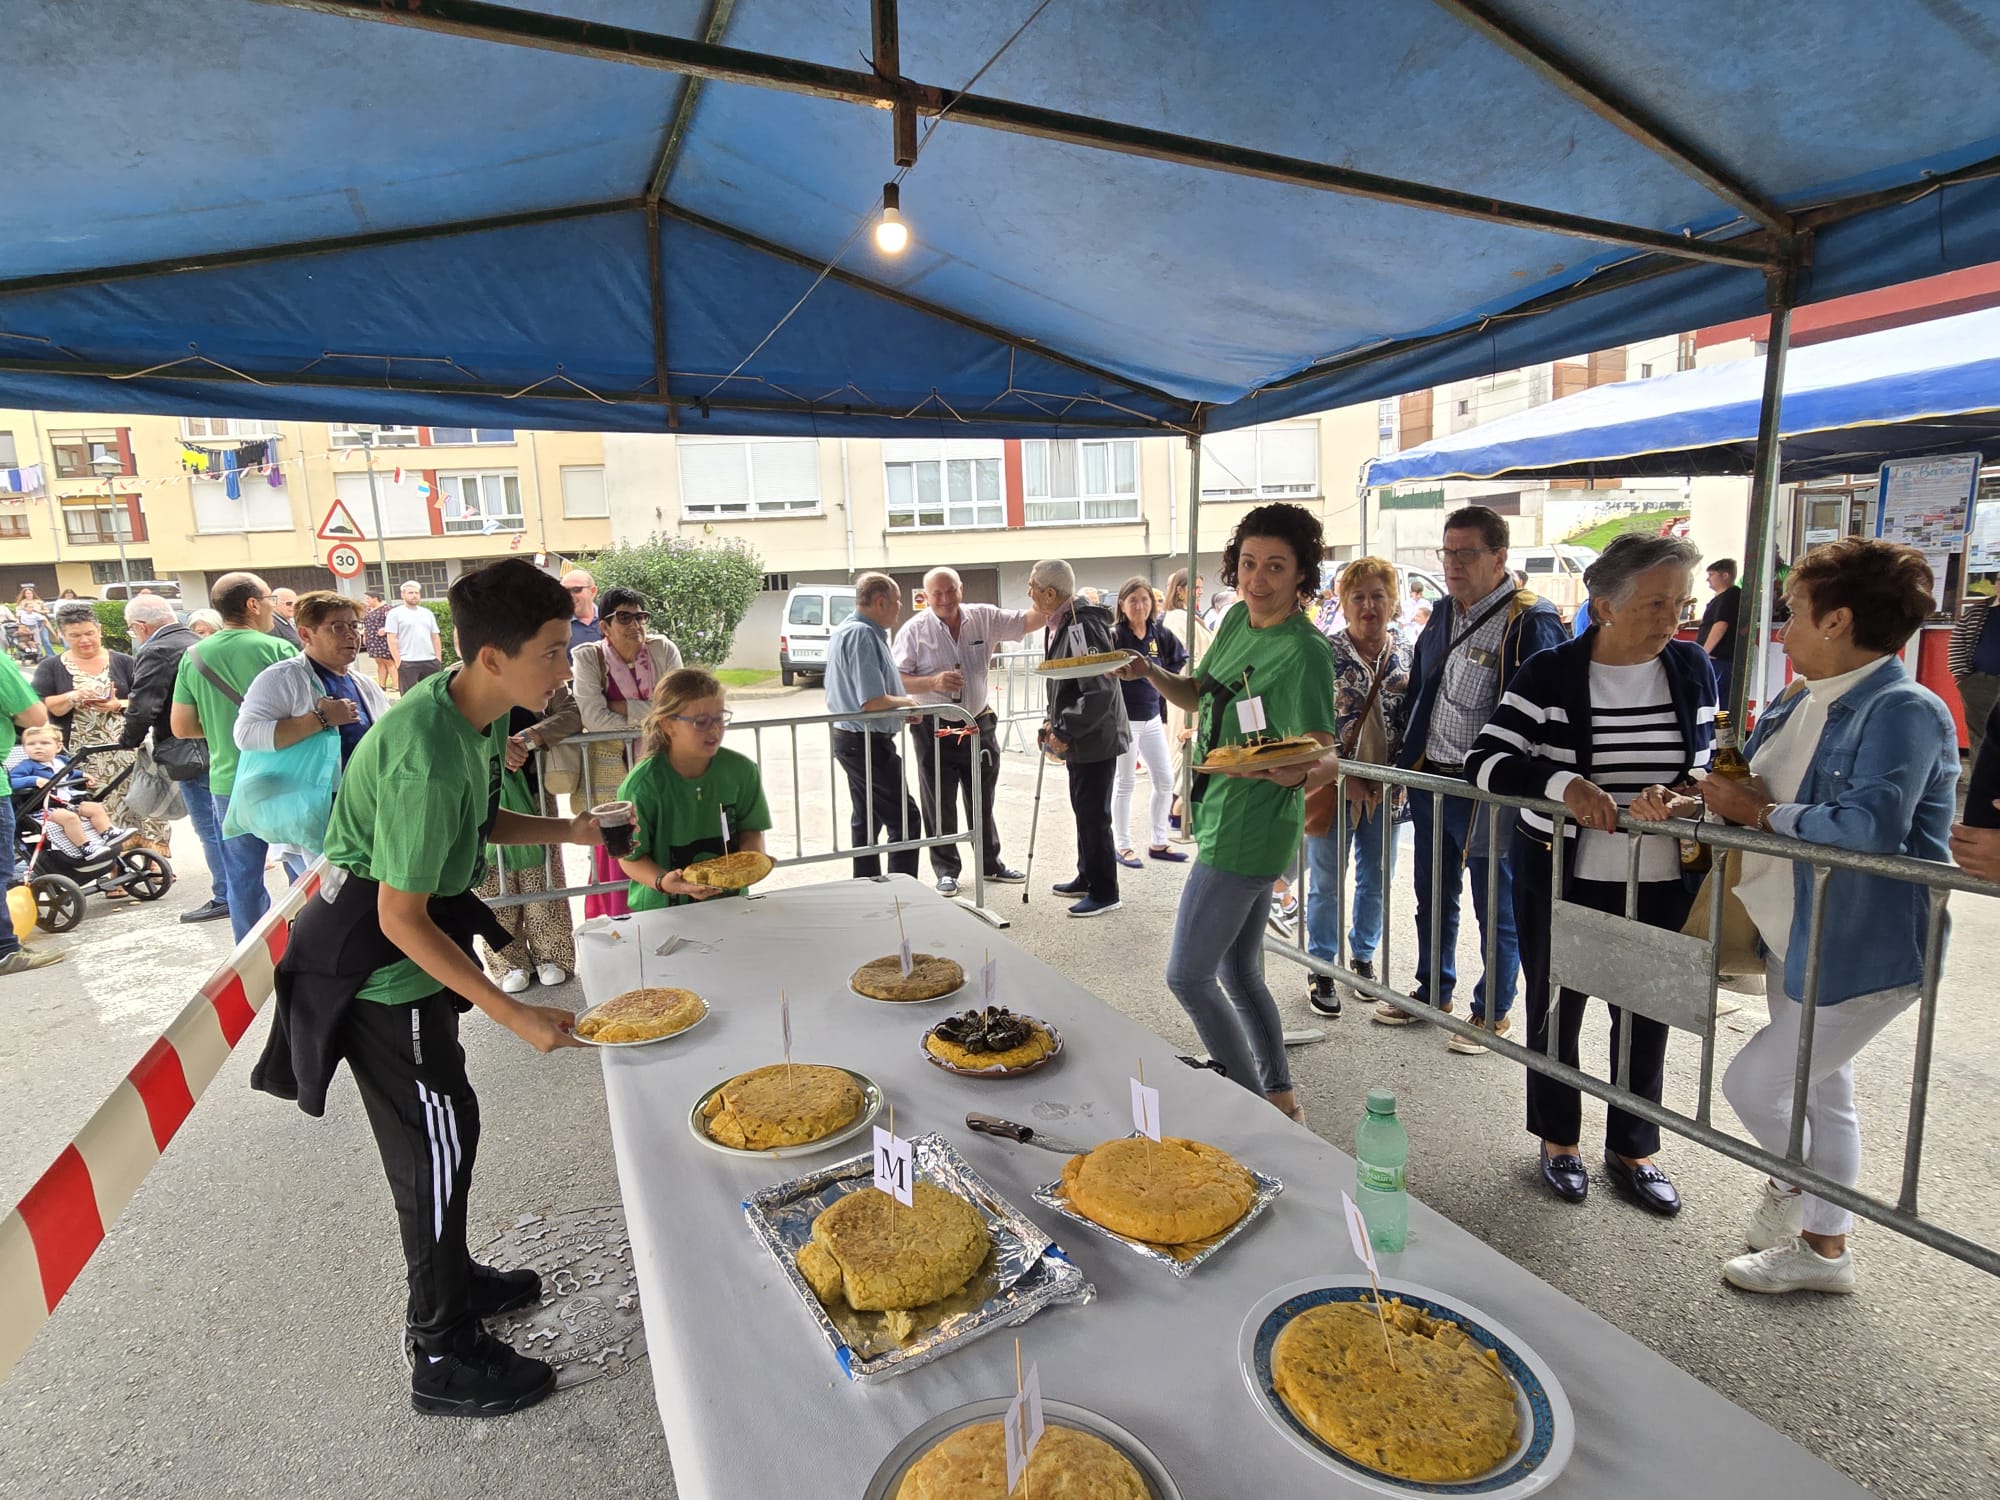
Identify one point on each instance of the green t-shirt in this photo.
(1245, 826)
(679, 819)
(235, 655)
(411, 804)
(17, 695)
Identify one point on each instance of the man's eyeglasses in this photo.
(629, 617)
(705, 722)
(576, 588)
(1465, 557)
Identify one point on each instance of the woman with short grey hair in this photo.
(1594, 723)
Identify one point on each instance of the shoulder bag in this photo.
(185, 759)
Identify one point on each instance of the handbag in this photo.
(1319, 801)
(1740, 962)
(149, 792)
(184, 759)
(286, 796)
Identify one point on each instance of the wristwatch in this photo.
(320, 714)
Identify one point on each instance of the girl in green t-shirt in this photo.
(1267, 660)
(686, 792)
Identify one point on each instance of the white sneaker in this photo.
(1777, 1219)
(551, 974)
(515, 982)
(1795, 1267)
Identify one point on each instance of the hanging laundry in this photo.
(194, 460)
(274, 475)
(215, 465)
(21, 481)
(251, 455)
(232, 477)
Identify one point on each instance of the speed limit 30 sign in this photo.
(344, 558)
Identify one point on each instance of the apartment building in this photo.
(823, 510)
(89, 498)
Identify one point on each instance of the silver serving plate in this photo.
(1025, 1273)
(651, 1041)
(1056, 1413)
(871, 1106)
(1180, 1259)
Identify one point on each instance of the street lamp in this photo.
(121, 524)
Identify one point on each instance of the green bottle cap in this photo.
(1381, 1102)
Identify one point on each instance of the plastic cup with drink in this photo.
(616, 821)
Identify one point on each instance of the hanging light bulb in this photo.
(892, 235)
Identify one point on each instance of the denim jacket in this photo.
(1883, 780)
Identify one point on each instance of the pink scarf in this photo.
(633, 680)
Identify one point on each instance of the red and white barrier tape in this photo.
(46, 1240)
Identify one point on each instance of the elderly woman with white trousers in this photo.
(1856, 756)
(1145, 710)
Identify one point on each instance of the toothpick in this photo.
(1383, 1318)
(902, 935)
(1027, 1492)
(1148, 1147)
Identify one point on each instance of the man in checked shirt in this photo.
(943, 652)
(1469, 650)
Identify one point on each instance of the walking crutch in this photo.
(1034, 818)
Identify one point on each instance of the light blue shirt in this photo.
(858, 668)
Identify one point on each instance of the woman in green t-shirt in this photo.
(1266, 664)
(688, 794)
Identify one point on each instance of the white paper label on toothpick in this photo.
(1023, 1427)
(1250, 715)
(1145, 1110)
(908, 962)
(989, 980)
(723, 813)
(785, 1013)
(1357, 1231)
(895, 1169)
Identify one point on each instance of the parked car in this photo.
(1556, 573)
(811, 612)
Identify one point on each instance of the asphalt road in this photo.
(237, 1334)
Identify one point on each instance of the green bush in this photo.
(447, 647)
(111, 616)
(698, 594)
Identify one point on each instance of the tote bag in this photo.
(286, 796)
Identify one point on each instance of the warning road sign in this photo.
(340, 526)
(344, 558)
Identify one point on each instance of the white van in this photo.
(811, 612)
(1556, 573)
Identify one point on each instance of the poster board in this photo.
(1926, 503)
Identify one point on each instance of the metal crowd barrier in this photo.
(1667, 976)
(803, 851)
(1022, 696)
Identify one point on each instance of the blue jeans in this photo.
(9, 944)
(243, 873)
(208, 828)
(1458, 831)
(1326, 861)
(1216, 971)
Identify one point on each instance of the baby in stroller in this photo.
(64, 814)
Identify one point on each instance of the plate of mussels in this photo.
(993, 1042)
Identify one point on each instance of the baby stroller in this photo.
(60, 880)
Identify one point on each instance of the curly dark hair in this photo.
(1295, 526)
(1885, 584)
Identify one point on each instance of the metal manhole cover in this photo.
(587, 1324)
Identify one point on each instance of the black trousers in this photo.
(411, 1072)
(877, 765)
(410, 673)
(944, 776)
(1090, 785)
(1555, 1110)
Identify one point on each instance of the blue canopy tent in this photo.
(1126, 217)
(1850, 405)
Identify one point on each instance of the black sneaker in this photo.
(1322, 996)
(480, 1377)
(495, 1291)
(1365, 967)
(208, 911)
(1071, 888)
(1006, 875)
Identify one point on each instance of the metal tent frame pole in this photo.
(1781, 291)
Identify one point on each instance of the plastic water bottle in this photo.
(1381, 1155)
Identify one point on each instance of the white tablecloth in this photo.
(751, 1399)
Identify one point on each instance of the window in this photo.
(435, 578)
(89, 524)
(114, 571)
(385, 437)
(483, 503)
(1645, 372)
(197, 428)
(761, 477)
(775, 583)
(1074, 479)
(1465, 408)
(13, 523)
(946, 485)
(583, 492)
(405, 507)
(258, 508)
(808, 609)
(446, 437)
(7, 458)
(1281, 460)
(77, 453)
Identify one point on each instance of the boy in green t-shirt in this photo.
(19, 707)
(418, 802)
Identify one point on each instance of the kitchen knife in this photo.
(1027, 1135)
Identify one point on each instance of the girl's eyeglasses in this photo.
(705, 722)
